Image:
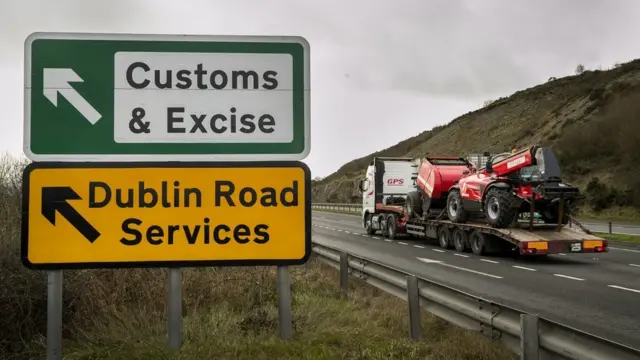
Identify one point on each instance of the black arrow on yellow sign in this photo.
(56, 199)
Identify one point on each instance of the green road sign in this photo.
(123, 97)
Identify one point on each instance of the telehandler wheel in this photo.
(497, 208)
(455, 211)
(368, 227)
(460, 239)
(477, 239)
(391, 226)
(413, 204)
(444, 237)
(550, 215)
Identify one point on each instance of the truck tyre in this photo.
(382, 221)
(476, 240)
(413, 204)
(497, 208)
(391, 226)
(460, 239)
(368, 227)
(455, 211)
(444, 237)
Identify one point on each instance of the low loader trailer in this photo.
(415, 197)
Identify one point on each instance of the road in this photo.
(597, 293)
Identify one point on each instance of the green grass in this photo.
(634, 239)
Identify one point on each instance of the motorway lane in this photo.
(599, 294)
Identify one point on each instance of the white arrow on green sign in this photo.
(124, 97)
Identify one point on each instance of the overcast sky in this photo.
(381, 70)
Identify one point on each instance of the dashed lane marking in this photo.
(438, 262)
(438, 250)
(524, 268)
(387, 240)
(568, 277)
(402, 243)
(490, 261)
(624, 288)
(377, 238)
(636, 265)
(419, 246)
(461, 255)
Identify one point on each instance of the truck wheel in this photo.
(413, 204)
(477, 243)
(391, 226)
(444, 237)
(460, 239)
(382, 221)
(368, 227)
(497, 208)
(455, 211)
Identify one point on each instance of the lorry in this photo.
(423, 198)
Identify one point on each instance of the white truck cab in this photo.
(385, 186)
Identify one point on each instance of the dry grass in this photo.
(229, 313)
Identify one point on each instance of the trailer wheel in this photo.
(477, 242)
(444, 237)
(460, 239)
(391, 226)
(497, 208)
(368, 227)
(455, 211)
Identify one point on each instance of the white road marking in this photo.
(624, 288)
(430, 261)
(402, 243)
(419, 246)
(332, 229)
(377, 238)
(523, 268)
(387, 240)
(563, 254)
(636, 265)
(365, 235)
(340, 230)
(438, 250)
(462, 255)
(622, 249)
(568, 277)
(490, 261)
(348, 232)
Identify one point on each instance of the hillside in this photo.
(592, 120)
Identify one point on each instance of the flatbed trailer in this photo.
(389, 180)
(524, 238)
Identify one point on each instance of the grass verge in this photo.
(633, 239)
(229, 313)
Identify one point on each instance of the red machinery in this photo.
(436, 175)
(512, 183)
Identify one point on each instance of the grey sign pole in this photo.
(284, 302)
(54, 315)
(175, 308)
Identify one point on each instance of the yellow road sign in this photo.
(109, 215)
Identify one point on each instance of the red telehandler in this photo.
(527, 181)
